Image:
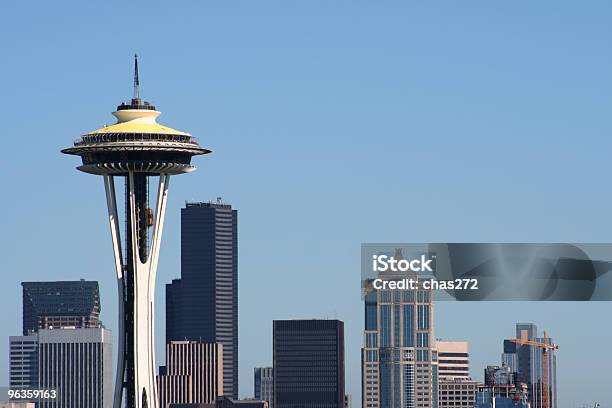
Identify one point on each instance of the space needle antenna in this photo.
(136, 80)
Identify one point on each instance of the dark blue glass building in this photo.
(308, 363)
(203, 304)
(60, 304)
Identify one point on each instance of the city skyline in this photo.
(492, 110)
(35, 293)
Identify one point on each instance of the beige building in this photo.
(453, 359)
(455, 388)
(17, 405)
(193, 373)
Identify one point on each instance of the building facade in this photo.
(23, 362)
(308, 363)
(60, 304)
(203, 304)
(264, 384)
(496, 376)
(399, 358)
(529, 363)
(453, 359)
(193, 374)
(78, 364)
(457, 393)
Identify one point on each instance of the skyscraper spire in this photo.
(136, 81)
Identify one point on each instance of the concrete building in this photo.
(399, 358)
(308, 360)
(60, 304)
(453, 359)
(193, 374)
(23, 362)
(455, 388)
(78, 364)
(264, 384)
(203, 304)
(457, 393)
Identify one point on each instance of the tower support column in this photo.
(136, 289)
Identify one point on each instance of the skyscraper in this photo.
(308, 363)
(134, 150)
(533, 360)
(78, 364)
(61, 317)
(203, 304)
(60, 304)
(193, 373)
(399, 358)
(264, 384)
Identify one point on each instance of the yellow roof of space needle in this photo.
(137, 125)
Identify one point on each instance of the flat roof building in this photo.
(203, 304)
(453, 359)
(60, 304)
(308, 363)
(193, 374)
(78, 364)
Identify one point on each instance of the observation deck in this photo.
(136, 143)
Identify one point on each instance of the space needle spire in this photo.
(134, 150)
(136, 80)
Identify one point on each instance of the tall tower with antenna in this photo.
(135, 150)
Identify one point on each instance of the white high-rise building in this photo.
(78, 364)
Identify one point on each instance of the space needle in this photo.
(134, 150)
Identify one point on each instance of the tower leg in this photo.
(136, 285)
(113, 218)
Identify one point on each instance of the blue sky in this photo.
(332, 123)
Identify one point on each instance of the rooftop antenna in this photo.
(136, 81)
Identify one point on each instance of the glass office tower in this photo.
(60, 304)
(203, 304)
(308, 363)
(264, 384)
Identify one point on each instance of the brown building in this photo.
(193, 374)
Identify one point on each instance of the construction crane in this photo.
(545, 388)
